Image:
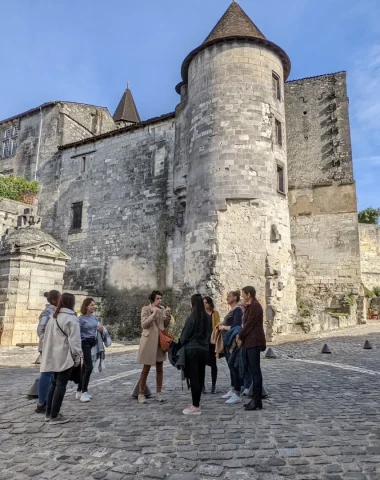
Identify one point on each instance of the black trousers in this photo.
(195, 369)
(57, 392)
(87, 366)
(253, 360)
(227, 355)
(211, 362)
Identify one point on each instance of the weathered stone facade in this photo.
(31, 263)
(370, 254)
(322, 199)
(198, 201)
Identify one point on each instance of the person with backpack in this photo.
(195, 339)
(45, 377)
(61, 351)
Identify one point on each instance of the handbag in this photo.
(165, 339)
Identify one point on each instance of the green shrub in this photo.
(368, 293)
(376, 291)
(15, 188)
(349, 300)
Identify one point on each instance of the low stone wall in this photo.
(370, 254)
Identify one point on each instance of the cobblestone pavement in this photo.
(321, 421)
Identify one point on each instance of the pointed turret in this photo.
(126, 110)
(235, 25)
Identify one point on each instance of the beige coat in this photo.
(150, 351)
(61, 349)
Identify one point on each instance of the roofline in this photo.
(260, 41)
(45, 105)
(113, 133)
(317, 76)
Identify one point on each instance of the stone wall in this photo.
(370, 254)
(124, 247)
(322, 202)
(236, 219)
(60, 122)
(10, 210)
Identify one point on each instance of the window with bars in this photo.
(276, 83)
(9, 141)
(280, 179)
(77, 208)
(278, 128)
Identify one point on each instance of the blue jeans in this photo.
(43, 387)
(247, 379)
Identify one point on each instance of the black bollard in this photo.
(367, 345)
(135, 392)
(270, 354)
(326, 349)
(33, 391)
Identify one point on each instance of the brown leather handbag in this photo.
(165, 339)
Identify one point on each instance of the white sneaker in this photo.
(85, 397)
(228, 394)
(245, 392)
(78, 395)
(233, 399)
(191, 411)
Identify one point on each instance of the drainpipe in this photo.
(39, 145)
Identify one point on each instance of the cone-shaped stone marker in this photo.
(367, 345)
(326, 349)
(270, 354)
(264, 392)
(135, 392)
(38, 360)
(33, 390)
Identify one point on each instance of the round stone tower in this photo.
(230, 168)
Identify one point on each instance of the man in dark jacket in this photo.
(252, 338)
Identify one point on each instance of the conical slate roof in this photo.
(235, 22)
(126, 110)
(235, 25)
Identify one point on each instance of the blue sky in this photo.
(87, 50)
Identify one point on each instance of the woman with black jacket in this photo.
(195, 338)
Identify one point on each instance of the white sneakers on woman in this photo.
(233, 399)
(191, 410)
(85, 397)
(229, 394)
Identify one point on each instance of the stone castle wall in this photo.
(125, 246)
(370, 254)
(230, 154)
(322, 200)
(62, 122)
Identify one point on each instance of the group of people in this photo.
(240, 338)
(69, 346)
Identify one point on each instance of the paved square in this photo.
(321, 421)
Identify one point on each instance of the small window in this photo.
(280, 179)
(278, 127)
(83, 165)
(77, 216)
(6, 148)
(276, 86)
(13, 146)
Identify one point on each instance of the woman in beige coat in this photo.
(61, 351)
(153, 318)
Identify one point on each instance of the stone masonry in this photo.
(370, 254)
(31, 263)
(250, 181)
